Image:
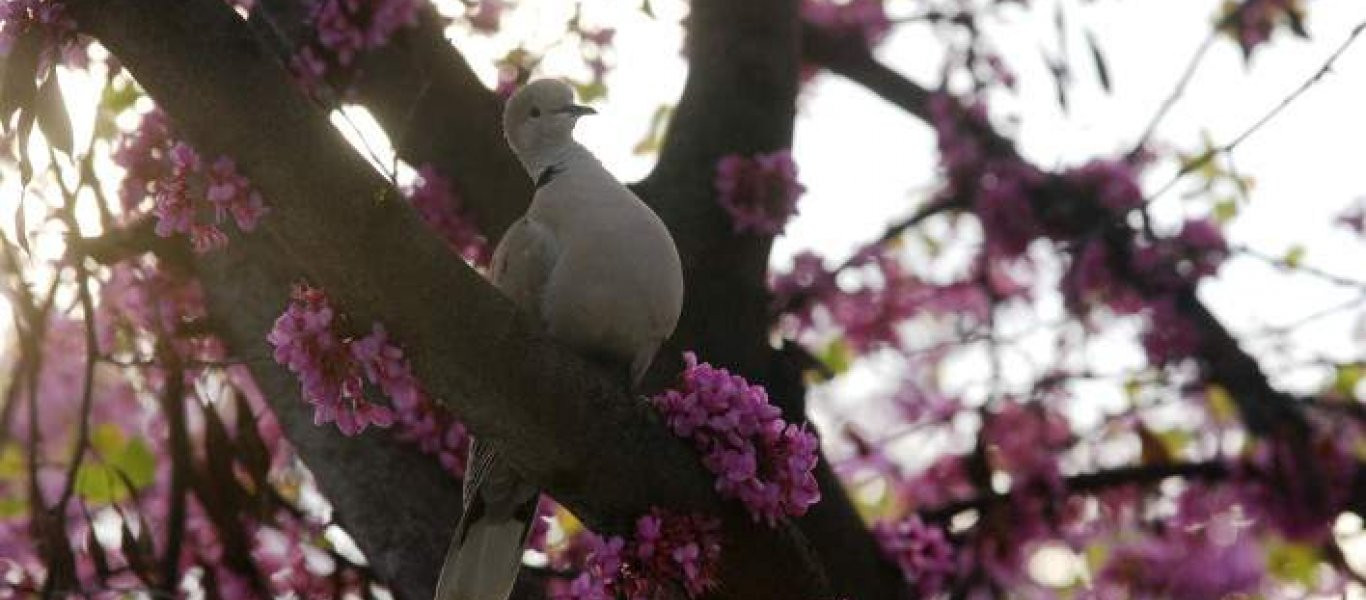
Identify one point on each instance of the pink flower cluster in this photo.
(436, 201)
(1025, 440)
(1146, 280)
(1301, 490)
(667, 550)
(1253, 21)
(1354, 217)
(334, 370)
(174, 175)
(759, 192)
(758, 458)
(1113, 183)
(870, 316)
(1205, 552)
(866, 19)
(345, 29)
(332, 375)
(1001, 187)
(47, 20)
(922, 552)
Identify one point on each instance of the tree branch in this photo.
(1264, 410)
(433, 108)
(561, 423)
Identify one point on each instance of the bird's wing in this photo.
(523, 261)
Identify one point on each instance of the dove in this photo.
(598, 270)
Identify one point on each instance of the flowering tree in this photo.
(247, 360)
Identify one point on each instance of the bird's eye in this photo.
(535, 112)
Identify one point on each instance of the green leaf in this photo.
(107, 439)
(1225, 210)
(127, 463)
(120, 96)
(98, 485)
(1291, 562)
(837, 357)
(137, 463)
(590, 91)
(1346, 379)
(1294, 257)
(654, 136)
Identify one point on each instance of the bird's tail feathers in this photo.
(482, 563)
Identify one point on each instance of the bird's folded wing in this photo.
(522, 263)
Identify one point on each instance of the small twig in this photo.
(68, 214)
(1229, 147)
(1301, 268)
(1177, 92)
(1091, 482)
(894, 231)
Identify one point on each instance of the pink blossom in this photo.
(230, 193)
(1005, 207)
(343, 30)
(333, 370)
(54, 29)
(174, 208)
(922, 552)
(1092, 281)
(175, 176)
(865, 19)
(945, 480)
(1253, 21)
(1301, 489)
(1206, 553)
(142, 154)
(436, 201)
(1112, 183)
(305, 341)
(758, 458)
(1025, 440)
(1354, 217)
(667, 550)
(1170, 336)
(1204, 248)
(759, 192)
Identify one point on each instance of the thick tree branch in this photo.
(564, 425)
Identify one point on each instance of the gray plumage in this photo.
(598, 269)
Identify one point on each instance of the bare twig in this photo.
(1323, 71)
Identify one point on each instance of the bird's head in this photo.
(539, 119)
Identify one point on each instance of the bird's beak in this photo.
(577, 110)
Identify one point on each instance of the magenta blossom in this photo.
(758, 458)
(182, 186)
(343, 30)
(759, 192)
(863, 18)
(435, 199)
(306, 341)
(922, 552)
(667, 550)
